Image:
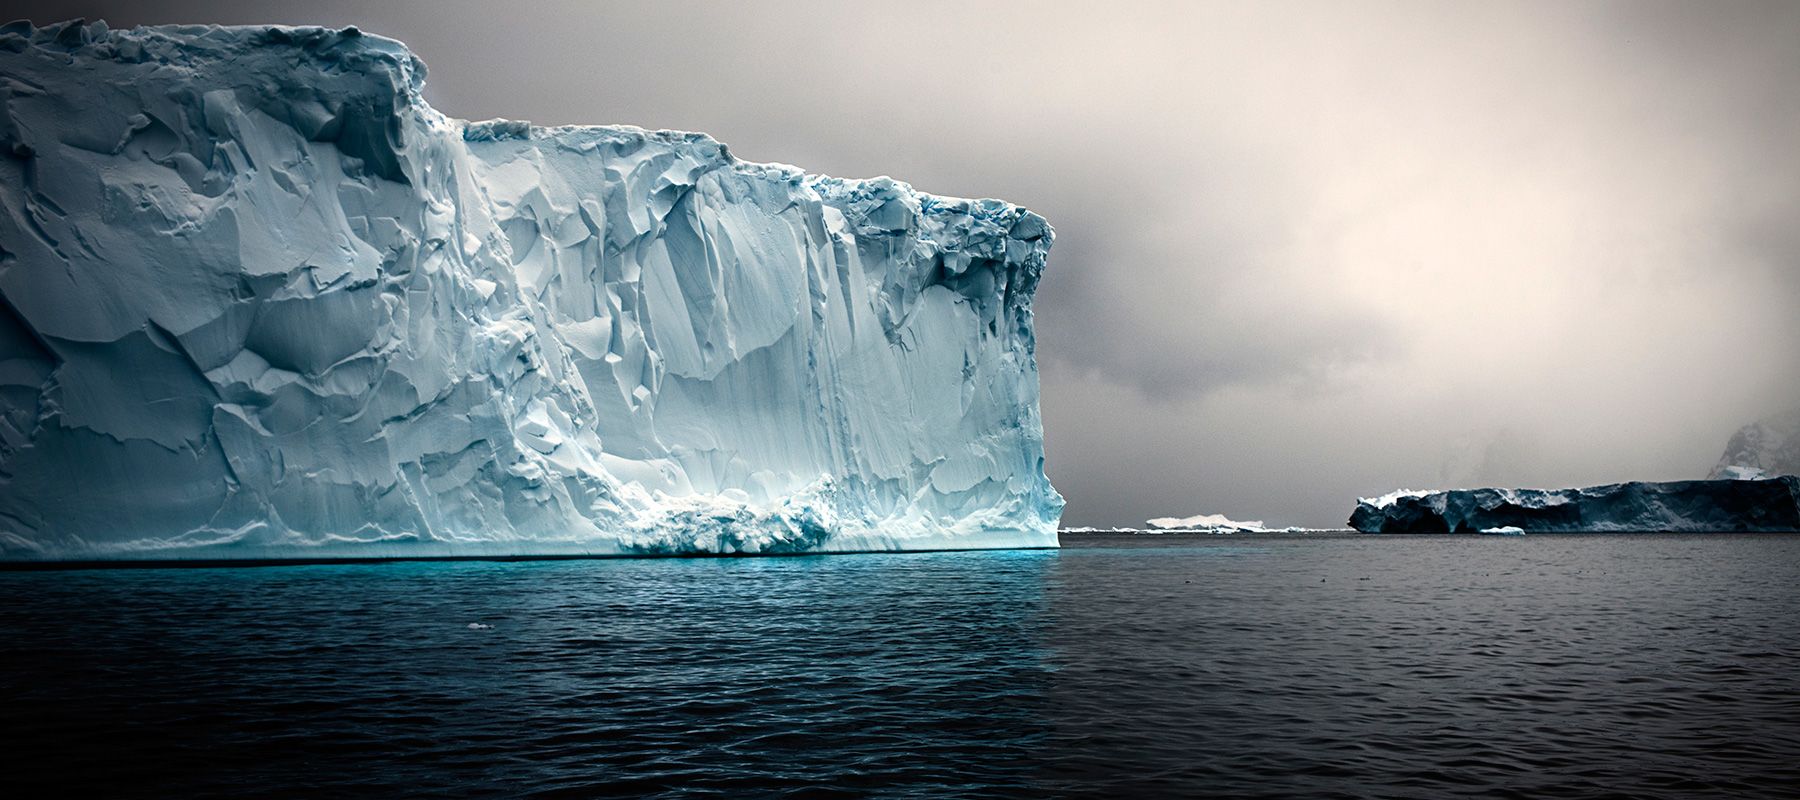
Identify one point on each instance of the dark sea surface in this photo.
(1244, 666)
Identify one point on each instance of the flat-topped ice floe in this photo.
(1210, 523)
(262, 301)
(1722, 505)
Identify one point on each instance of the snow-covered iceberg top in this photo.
(1206, 523)
(1395, 496)
(1719, 505)
(1737, 473)
(262, 301)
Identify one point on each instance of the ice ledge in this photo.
(1013, 221)
(351, 49)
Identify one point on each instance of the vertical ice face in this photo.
(1683, 506)
(262, 301)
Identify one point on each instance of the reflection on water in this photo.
(1245, 666)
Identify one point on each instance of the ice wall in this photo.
(262, 301)
(1686, 506)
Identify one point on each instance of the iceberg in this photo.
(1693, 506)
(261, 301)
(1206, 523)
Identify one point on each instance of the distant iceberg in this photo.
(1205, 521)
(262, 301)
(1722, 505)
(1212, 523)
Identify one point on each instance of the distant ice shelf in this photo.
(1211, 523)
(1203, 523)
(1712, 505)
(262, 301)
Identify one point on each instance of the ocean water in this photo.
(1246, 666)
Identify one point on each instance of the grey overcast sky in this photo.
(1305, 250)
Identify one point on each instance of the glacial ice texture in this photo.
(262, 301)
(1691, 506)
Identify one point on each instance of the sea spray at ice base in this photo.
(263, 301)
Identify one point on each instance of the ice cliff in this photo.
(262, 301)
(1724, 505)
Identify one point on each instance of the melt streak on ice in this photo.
(262, 301)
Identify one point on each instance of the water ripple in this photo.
(1648, 666)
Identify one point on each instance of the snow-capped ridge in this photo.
(1766, 448)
